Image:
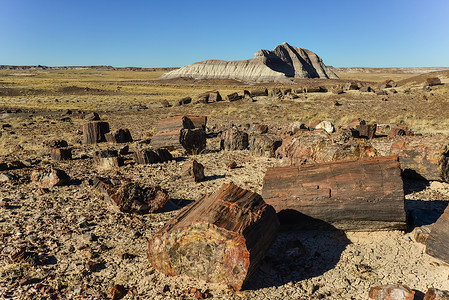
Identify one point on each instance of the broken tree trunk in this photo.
(233, 139)
(179, 132)
(437, 242)
(108, 159)
(423, 158)
(61, 154)
(350, 195)
(220, 238)
(119, 136)
(94, 132)
(130, 197)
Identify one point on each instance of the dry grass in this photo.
(118, 94)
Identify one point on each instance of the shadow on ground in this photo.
(299, 254)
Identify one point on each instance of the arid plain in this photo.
(77, 247)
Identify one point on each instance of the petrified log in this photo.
(423, 158)
(61, 154)
(391, 292)
(119, 136)
(179, 132)
(366, 89)
(146, 156)
(258, 128)
(433, 81)
(257, 93)
(174, 123)
(108, 159)
(198, 121)
(317, 146)
(130, 197)
(233, 139)
(50, 178)
(233, 97)
(214, 96)
(435, 294)
(94, 132)
(399, 131)
(365, 131)
(185, 100)
(194, 170)
(221, 237)
(437, 242)
(264, 144)
(350, 195)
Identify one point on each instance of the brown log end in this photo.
(202, 251)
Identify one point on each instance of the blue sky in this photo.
(394, 33)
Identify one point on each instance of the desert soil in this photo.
(78, 247)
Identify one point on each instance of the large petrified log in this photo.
(179, 132)
(437, 242)
(221, 237)
(199, 121)
(318, 146)
(423, 158)
(362, 194)
(128, 196)
(94, 132)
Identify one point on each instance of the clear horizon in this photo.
(381, 34)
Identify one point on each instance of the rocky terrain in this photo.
(69, 241)
(278, 65)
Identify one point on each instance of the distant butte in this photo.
(280, 64)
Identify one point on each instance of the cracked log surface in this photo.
(360, 195)
(220, 238)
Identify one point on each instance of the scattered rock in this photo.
(50, 178)
(128, 196)
(194, 170)
(165, 103)
(184, 101)
(5, 177)
(93, 116)
(391, 291)
(432, 81)
(231, 165)
(326, 126)
(436, 294)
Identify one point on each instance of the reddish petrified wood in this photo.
(423, 158)
(221, 237)
(435, 294)
(318, 146)
(61, 153)
(264, 144)
(147, 156)
(391, 292)
(94, 132)
(194, 170)
(199, 121)
(234, 139)
(362, 194)
(365, 131)
(179, 132)
(130, 197)
(50, 178)
(121, 135)
(438, 240)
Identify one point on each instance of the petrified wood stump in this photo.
(179, 132)
(350, 195)
(108, 159)
(61, 154)
(119, 136)
(147, 156)
(221, 237)
(94, 132)
(233, 139)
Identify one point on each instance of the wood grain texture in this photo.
(350, 195)
(437, 242)
(221, 237)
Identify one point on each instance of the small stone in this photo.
(117, 291)
(231, 165)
